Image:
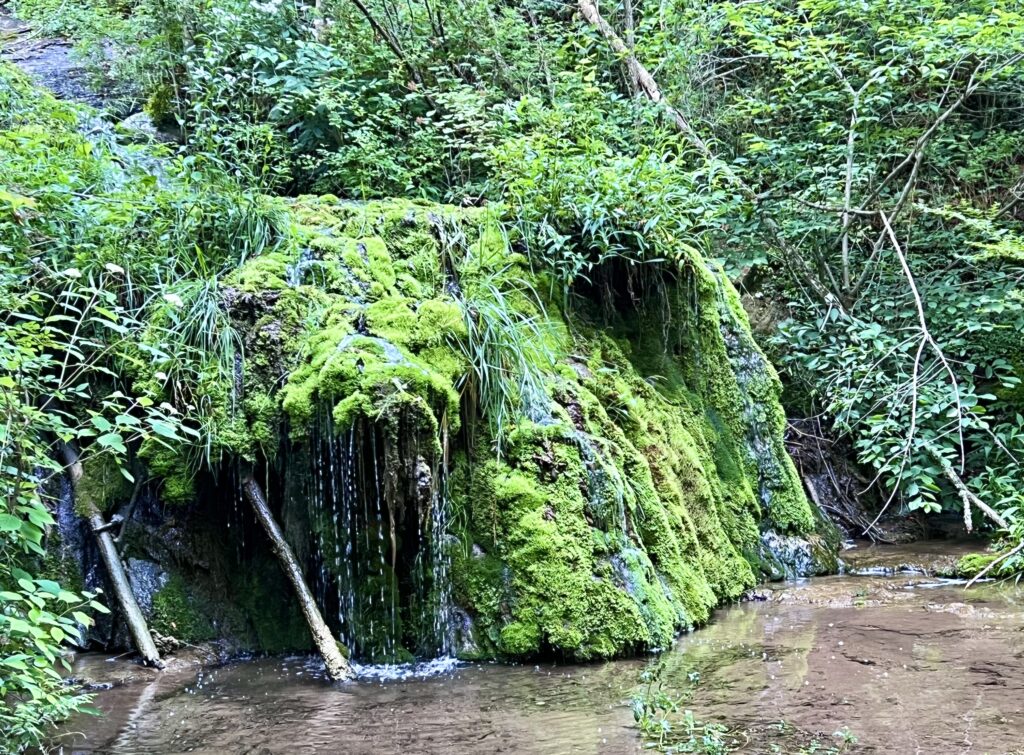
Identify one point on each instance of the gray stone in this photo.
(147, 578)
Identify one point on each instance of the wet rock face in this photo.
(147, 579)
(624, 504)
(50, 62)
(139, 128)
(797, 556)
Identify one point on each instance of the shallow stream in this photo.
(906, 662)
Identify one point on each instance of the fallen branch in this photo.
(123, 594)
(642, 77)
(927, 339)
(338, 668)
(991, 566)
(966, 494)
(396, 48)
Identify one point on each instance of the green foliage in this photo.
(666, 728)
(91, 244)
(508, 351)
(38, 619)
(844, 118)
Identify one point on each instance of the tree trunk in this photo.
(641, 77)
(115, 569)
(337, 667)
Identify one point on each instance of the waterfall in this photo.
(383, 566)
(797, 555)
(750, 368)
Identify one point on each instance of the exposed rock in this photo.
(147, 579)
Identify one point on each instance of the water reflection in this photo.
(908, 664)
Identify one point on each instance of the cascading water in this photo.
(750, 367)
(383, 566)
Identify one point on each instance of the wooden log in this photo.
(338, 667)
(123, 594)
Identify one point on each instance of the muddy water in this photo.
(907, 663)
(285, 706)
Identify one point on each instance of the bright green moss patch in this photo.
(176, 478)
(973, 564)
(102, 486)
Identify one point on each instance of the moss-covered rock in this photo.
(176, 614)
(632, 497)
(102, 485)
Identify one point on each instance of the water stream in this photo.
(908, 663)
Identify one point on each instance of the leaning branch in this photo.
(966, 494)
(392, 42)
(996, 562)
(112, 560)
(338, 668)
(650, 89)
(643, 79)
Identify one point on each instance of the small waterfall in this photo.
(795, 555)
(382, 565)
(440, 564)
(297, 272)
(605, 484)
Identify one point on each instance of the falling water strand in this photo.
(441, 572)
(351, 568)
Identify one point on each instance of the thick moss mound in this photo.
(617, 508)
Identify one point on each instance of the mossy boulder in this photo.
(636, 495)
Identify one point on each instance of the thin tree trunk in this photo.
(338, 668)
(395, 46)
(137, 626)
(640, 75)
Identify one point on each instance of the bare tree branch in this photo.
(649, 87)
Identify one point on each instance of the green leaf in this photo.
(114, 441)
(48, 585)
(164, 429)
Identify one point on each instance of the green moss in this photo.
(974, 563)
(265, 598)
(102, 486)
(624, 516)
(177, 481)
(268, 272)
(176, 613)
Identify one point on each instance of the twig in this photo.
(966, 494)
(991, 566)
